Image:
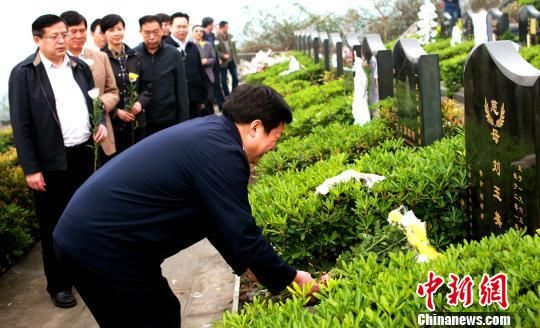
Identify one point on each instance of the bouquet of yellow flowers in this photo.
(415, 231)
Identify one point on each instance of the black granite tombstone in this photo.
(417, 93)
(502, 136)
(468, 27)
(309, 44)
(447, 24)
(337, 49)
(528, 25)
(326, 49)
(316, 46)
(296, 41)
(304, 42)
(497, 24)
(380, 61)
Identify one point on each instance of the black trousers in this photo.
(60, 186)
(117, 302)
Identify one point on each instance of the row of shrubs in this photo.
(368, 292)
(323, 141)
(18, 224)
(312, 230)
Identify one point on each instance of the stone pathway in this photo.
(199, 276)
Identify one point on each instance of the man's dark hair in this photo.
(179, 14)
(110, 21)
(223, 23)
(72, 18)
(195, 26)
(163, 17)
(43, 22)
(207, 21)
(95, 24)
(250, 102)
(149, 19)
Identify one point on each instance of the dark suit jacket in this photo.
(194, 71)
(189, 182)
(34, 119)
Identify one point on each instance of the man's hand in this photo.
(100, 134)
(204, 61)
(303, 278)
(136, 108)
(226, 56)
(125, 116)
(35, 181)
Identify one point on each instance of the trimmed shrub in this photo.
(335, 110)
(373, 293)
(312, 230)
(6, 140)
(18, 224)
(315, 94)
(299, 152)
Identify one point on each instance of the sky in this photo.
(18, 16)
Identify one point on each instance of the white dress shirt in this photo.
(182, 45)
(70, 102)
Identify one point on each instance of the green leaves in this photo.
(370, 292)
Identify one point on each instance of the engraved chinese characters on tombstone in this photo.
(326, 49)
(337, 50)
(379, 60)
(417, 93)
(502, 139)
(528, 25)
(497, 24)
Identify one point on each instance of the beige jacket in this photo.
(108, 91)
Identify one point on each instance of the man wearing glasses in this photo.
(51, 113)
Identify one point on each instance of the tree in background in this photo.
(275, 30)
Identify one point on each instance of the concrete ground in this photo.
(199, 276)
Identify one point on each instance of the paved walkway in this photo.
(200, 278)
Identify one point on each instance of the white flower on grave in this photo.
(427, 24)
(94, 93)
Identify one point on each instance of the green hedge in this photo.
(452, 72)
(18, 224)
(532, 55)
(371, 293)
(457, 50)
(315, 94)
(298, 152)
(6, 140)
(270, 76)
(311, 230)
(335, 110)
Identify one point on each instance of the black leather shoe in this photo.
(64, 299)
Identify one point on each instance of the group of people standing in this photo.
(165, 80)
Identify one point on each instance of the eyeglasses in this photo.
(56, 37)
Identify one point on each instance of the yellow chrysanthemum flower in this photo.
(133, 77)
